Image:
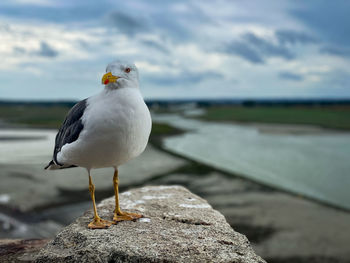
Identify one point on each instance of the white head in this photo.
(120, 74)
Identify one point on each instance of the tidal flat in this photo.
(305, 160)
(283, 227)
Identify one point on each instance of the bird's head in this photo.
(121, 74)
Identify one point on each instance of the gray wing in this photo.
(70, 129)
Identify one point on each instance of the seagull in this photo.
(105, 130)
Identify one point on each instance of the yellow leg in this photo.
(97, 222)
(118, 214)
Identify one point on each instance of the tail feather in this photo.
(53, 166)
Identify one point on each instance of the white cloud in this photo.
(20, 42)
(182, 39)
(148, 67)
(50, 3)
(191, 56)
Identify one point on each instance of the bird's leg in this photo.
(118, 214)
(98, 222)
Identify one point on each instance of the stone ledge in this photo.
(178, 227)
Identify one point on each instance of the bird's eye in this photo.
(127, 70)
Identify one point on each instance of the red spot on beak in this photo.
(106, 81)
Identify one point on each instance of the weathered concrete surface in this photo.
(178, 227)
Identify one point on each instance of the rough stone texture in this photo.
(178, 227)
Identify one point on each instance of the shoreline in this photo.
(287, 128)
(243, 177)
(157, 142)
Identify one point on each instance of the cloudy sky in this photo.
(58, 49)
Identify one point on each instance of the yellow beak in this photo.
(109, 78)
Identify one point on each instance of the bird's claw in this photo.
(99, 223)
(125, 216)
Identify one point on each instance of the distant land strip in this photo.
(327, 113)
(201, 102)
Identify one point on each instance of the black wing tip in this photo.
(53, 166)
(50, 163)
(69, 130)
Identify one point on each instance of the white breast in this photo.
(117, 125)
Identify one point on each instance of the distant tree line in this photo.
(164, 103)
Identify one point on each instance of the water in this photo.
(313, 164)
(26, 146)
